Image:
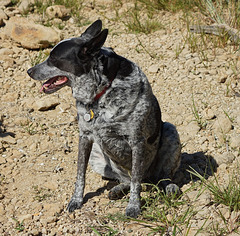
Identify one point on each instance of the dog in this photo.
(121, 133)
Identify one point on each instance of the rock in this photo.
(208, 114)
(225, 158)
(23, 218)
(5, 3)
(5, 52)
(57, 11)
(7, 139)
(2, 160)
(153, 69)
(235, 141)
(222, 125)
(24, 6)
(51, 185)
(29, 34)
(21, 121)
(48, 220)
(222, 78)
(3, 17)
(52, 209)
(45, 103)
(2, 209)
(192, 129)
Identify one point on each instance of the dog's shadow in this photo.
(199, 162)
(3, 132)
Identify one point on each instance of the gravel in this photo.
(39, 133)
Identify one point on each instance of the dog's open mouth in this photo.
(54, 84)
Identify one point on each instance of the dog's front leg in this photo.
(84, 150)
(134, 205)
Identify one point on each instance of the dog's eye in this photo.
(52, 59)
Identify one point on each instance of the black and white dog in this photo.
(121, 134)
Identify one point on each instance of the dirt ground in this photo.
(38, 149)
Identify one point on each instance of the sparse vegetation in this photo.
(19, 225)
(40, 194)
(201, 123)
(228, 195)
(39, 57)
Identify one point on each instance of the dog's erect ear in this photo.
(94, 29)
(94, 44)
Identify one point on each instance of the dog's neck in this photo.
(103, 91)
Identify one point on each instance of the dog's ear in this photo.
(94, 29)
(94, 44)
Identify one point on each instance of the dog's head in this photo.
(70, 61)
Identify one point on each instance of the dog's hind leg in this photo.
(104, 166)
(167, 160)
(101, 164)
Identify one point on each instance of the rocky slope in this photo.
(39, 134)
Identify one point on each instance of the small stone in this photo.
(192, 129)
(46, 103)
(26, 217)
(153, 69)
(222, 79)
(57, 11)
(235, 141)
(209, 114)
(8, 139)
(24, 6)
(21, 121)
(2, 209)
(52, 208)
(51, 185)
(222, 125)
(2, 160)
(5, 3)
(225, 158)
(48, 220)
(5, 52)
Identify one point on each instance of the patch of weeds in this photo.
(164, 213)
(161, 213)
(169, 5)
(201, 123)
(41, 194)
(31, 129)
(137, 20)
(221, 12)
(228, 116)
(151, 54)
(14, 2)
(228, 195)
(19, 225)
(41, 6)
(74, 5)
(40, 57)
(228, 226)
(104, 230)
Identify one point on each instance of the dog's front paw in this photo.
(133, 210)
(73, 205)
(172, 190)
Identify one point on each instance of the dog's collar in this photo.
(90, 115)
(103, 91)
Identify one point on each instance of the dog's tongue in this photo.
(53, 82)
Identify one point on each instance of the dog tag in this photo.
(87, 117)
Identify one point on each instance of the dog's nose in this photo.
(30, 71)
